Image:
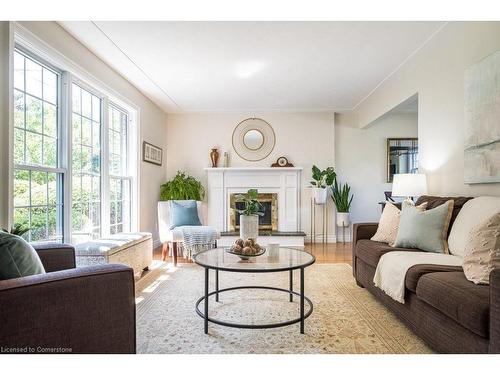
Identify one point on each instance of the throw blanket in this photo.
(196, 239)
(392, 267)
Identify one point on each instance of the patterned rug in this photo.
(346, 318)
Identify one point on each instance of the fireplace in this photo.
(284, 182)
(269, 202)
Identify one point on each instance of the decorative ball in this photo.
(248, 247)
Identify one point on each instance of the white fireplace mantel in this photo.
(285, 181)
(274, 169)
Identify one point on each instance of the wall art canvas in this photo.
(151, 153)
(482, 121)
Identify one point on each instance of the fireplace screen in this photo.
(269, 202)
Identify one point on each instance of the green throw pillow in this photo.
(17, 258)
(424, 230)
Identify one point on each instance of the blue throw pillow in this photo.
(183, 213)
(424, 230)
(17, 258)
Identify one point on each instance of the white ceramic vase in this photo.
(343, 219)
(249, 226)
(320, 195)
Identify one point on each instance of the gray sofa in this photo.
(68, 309)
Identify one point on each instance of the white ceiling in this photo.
(410, 105)
(254, 66)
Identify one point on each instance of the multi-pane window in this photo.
(119, 180)
(86, 164)
(62, 133)
(37, 176)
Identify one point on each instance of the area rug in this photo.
(345, 319)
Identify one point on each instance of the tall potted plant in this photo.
(249, 216)
(342, 198)
(321, 180)
(182, 187)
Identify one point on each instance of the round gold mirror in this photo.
(253, 139)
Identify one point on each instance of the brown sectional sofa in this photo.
(450, 313)
(68, 309)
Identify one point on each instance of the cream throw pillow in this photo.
(482, 250)
(473, 213)
(388, 226)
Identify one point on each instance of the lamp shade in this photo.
(409, 185)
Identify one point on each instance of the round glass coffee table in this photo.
(285, 260)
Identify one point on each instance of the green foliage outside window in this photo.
(35, 147)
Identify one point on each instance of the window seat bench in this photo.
(132, 249)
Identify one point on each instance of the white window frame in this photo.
(127, 176)
(72, 72)
(61, 167)
(104, 141)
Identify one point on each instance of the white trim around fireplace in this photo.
(284, 181)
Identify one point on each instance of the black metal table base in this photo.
(303, 299)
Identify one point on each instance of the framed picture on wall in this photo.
(151, 154)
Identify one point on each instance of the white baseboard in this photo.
(156, 243)
(330, 239)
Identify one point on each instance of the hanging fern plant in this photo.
(182, 187)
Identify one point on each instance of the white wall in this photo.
(361, 159)
(436, 73)
(304, 138)
(152, 118)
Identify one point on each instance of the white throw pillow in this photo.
(388, 225)
(474, 212)
(482, 251)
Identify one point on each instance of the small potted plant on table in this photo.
(249, 216)
(322, 179)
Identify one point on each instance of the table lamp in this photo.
(409, 185)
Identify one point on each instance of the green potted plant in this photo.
(321, 180)
(249, 216)
(18, 229)
(182, 187)
(342, 198)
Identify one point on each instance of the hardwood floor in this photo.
(324, 253)
(331, 252)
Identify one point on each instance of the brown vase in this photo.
(214, 156)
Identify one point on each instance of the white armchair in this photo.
(171, 237)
